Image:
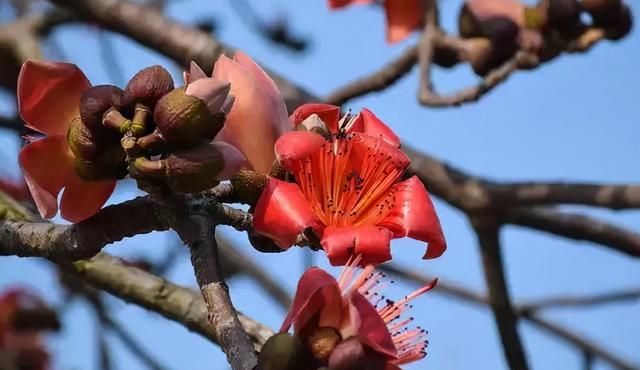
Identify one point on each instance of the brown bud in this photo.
(36, 318)
(603, 12)
(111, 165)
(188, 171)
(499, 29)
(89, 145)
(322, 342)
(468, 25)
(95, 101)
(622, 25)
(483, 55)
(283, 352)
(248, 185)
(262, 243)
(564, 17)
(350, 354)
(148, 86)
(184, 120)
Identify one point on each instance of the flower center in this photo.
(349, 180)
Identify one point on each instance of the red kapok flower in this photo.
(403, 16)
(48, 100)
(348, 190)
(347, 320)
(258, 116)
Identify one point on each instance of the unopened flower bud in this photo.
(95, 101)
(621, 26)
(188, 171)
(184, 120)
(482, 55)
(148, 86)
(88, 145)
(323, 341)
(564, 17)
(350, 354)
(283, 352)
(248, 186)
(111, 165)
(603, 12)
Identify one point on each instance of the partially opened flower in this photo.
(348, 191)
(49, 96)
(258, 116)
(348, 321)
(403, 16)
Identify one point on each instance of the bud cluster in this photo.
(495, 30)
(152, 130)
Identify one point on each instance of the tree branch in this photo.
(585, 301)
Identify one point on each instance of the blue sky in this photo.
(574, 119)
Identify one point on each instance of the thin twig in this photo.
(582, 301)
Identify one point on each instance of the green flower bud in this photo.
(148, 86)
(185, 120)
(283, 352)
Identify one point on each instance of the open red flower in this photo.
(347, 190)
(48, 100)
(348, 320)
(258, 116)
(403, 16)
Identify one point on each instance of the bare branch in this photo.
(578, 301)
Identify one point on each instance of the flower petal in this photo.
(259, 116)
(311, 285)
(195, 73)
(282, 212)
(49, 95)
(373, 330)
(212, 92)
(234, 161)
(403, 17)
(329, 114)
(336, 4)
(509, 9)
(47, 165)
(373, 126)
(372, 242)
(414, 215)
(83, 199)
(295, 146)
(366, 146)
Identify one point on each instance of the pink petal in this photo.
(336, 4)
(414, 215)
(308, 299)
(510, 9)
(47, 165)
(373, 330)
(234, 161)
(373, 126)
(258, 117)
(282, 212)
(372, 242)
(403, 17)
(83, 199)
(212, 92)
(329, 114)
(295, 146)
(49, 95)
(195, 73)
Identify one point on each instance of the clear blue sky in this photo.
(575, 119)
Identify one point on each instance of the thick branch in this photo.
(507, 321)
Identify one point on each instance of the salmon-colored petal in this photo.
(336, 4)
(373, 126)
(295, 146)
(329, 114)
(282, 212)
(83, 199)
(49, 95)
(403, 17)
(258, 116)
(414, 215)
(373, 331)
(371, 242)
(312, 284)
(234, 161)
(47, 165)
(486, 9)
(372, 148)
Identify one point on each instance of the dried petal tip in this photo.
(97, 100)
(248, 186)
(283, 352)
(148, 86)
(184, 120)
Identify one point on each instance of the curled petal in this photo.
(308, 300)
(371, 242)
(47, 165)
(414, 215)
(329, 114)
(83, 199)
(403, 17)
(373, 126)
(282, 212)
(195, 73)
(49, 95)
(367, 148)
(258, 116)
(234, 161)
(373, 330)
(295, 146)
